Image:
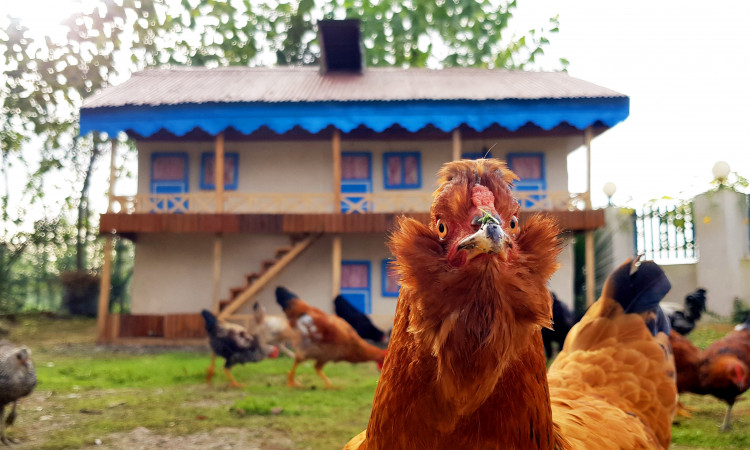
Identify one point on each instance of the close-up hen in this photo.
(466, 364)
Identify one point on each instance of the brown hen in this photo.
(466, 364)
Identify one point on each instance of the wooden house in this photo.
(317, 163)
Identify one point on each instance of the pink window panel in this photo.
(411, 170)
(354, 276)
(210, 169)
(169, 168)
(391, 279)
(394, 170)
(355, 167)
(528, 167)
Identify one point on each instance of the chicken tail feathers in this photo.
(284, 297)
(211, 321)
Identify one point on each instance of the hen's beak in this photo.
(490, 239)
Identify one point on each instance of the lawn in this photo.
(145, 398)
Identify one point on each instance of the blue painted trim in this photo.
(529, 183)
(384, 276)
(445, 115)
(366, 291)
(227, 186)
(185, 177)
(402, 184)
(476, 155)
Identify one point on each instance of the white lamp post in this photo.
(609, 190)
(721, 172)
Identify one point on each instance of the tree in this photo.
(46, 78)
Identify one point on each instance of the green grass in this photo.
(87, 393)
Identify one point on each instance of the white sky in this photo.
(685, 66)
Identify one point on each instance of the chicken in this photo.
(466, 365)
(323, 337)
(17, 380)
(683, 319)
(274, 330)
(359, 321)
(715, 372)
(235, 344)
(562, 321)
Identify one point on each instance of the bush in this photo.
(80, 292)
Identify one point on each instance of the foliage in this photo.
(734, 182)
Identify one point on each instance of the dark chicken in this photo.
(466, 366)
(359, 321)
(17, 380)
(235, 344)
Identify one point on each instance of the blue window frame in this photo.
(355, 284)
(390, 284)
(402, 170)
(356, 178)
(231, 168)
(531, 170)
(169, 175)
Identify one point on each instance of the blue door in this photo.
(356, 178)
(169, 175)
(355, 284)
(530, 169)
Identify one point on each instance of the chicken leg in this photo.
(319, 371)
(232, 382)
(290, 381)
(726, 426)
(210, 371)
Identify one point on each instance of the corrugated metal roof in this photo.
(198, 85)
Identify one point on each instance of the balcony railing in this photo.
(289, 203)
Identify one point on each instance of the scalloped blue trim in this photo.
(346, 116)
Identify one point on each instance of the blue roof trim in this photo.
(346, 116)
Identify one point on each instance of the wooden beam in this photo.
(456, 144)
(587, 141)
(104, 285)
(267, 276)
(219, 172)
(336, 147)
(336, 265)
(590, 269)
(217, 272)
(112, 175)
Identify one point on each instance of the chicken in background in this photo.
(235, 344)
(274, 330)
(683, 318)
(17, 380)
(359, 321)
(322, 337)
(563, 320)
(466, 365)
(716, 372)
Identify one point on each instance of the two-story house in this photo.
(317, 163)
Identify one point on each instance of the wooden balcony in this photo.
(309, 213)
(306, 203)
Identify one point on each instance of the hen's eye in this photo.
(442, 229)
(513, 225)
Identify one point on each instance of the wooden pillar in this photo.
(456, 144)
(217, 272)
(589, 243)
(336, 264)
(336, 147)
(219, 186)
(105, 280)
(219, 172)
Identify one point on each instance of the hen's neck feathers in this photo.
(466, 351)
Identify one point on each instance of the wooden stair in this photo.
(270, 268)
